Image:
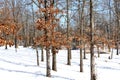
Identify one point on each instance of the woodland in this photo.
(54, 25)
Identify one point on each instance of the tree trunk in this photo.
(48, 73)
(117, 49)
(37, 54)
(84, 56)
(48, 68)
(112, 53)
(25, 41)
(68, 57)
(81, 33)
(117, 12)
(98, 51)
(42, 54)
(92, 59)
(6, 45)
(16, 43)
(69, 50)
(54, 59)
(81, 61)
(6, 42)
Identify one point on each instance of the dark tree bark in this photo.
(117, 52)
(84, 56)
(54, 66)
(42, 54)
(37, 54)
(68, 57)
(16, 43)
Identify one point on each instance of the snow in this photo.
(21, 65)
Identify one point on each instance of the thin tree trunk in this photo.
(81, 33)
(117, 49)
(98, 51)
(37, 54)
(112, 53)
(81, 61)
(16, 43)
(92, 59)
(33, 18)
(6, 42)
(54, 67)
(84, 56)
(69, 50)
(6, 45)
(42, 54)
(117, 12)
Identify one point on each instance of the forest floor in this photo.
(21, 65)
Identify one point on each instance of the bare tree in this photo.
(81, 33)
(92, 59)
(117, 14)
(68, 49)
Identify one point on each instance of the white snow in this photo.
(21, 65)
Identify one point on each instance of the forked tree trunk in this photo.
(92, 59)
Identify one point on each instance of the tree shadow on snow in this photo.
(19, 71)
(55, 76)
(106, 67)
(17, 63)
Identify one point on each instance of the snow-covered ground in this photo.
(21, 65)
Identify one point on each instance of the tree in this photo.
(54, 66)
(81, 34)
(117, 15)
(50, 37)
(68, 35)
(6, 26)
(92, 59)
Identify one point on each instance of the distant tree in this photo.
(117, 15)
(6, 26)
